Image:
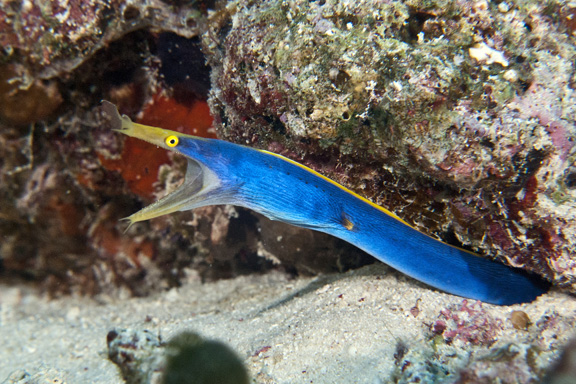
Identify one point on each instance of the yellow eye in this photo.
(171, 141)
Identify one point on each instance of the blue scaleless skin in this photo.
(220, 172)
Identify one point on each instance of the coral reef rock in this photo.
(457, 115)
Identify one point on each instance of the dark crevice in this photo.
(414, 25)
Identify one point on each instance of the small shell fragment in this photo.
(482, 53)
(520, 320)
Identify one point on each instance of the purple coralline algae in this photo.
(469, 324)
(469, 343)
(456, 115)
(459, 116)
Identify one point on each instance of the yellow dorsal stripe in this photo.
(337, 185)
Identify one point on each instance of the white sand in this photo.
(337, 328)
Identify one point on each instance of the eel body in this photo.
(220, 172)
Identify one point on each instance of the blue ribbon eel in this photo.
(220, 172)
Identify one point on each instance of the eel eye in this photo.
(171, 141)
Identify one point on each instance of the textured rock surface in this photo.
(457, 115)
(66, 179)
(54, 37)
(60, 202)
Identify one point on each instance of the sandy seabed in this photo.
(344, 328)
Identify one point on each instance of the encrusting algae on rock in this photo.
(456, 115)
